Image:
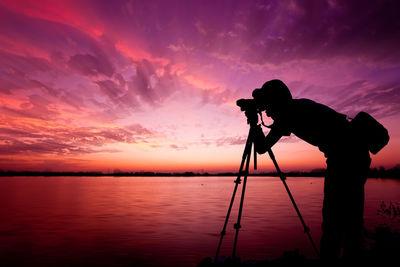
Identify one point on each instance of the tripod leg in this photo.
(283, 179)
(245, 156)
(237, 226)
(255, 158)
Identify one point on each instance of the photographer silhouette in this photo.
(348, 161)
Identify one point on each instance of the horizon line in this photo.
(373, 173)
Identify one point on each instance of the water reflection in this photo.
(158, 221)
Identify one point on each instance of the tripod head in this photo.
(251, 110)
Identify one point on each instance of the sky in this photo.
(152, 85)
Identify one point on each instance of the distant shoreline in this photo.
(393, 173)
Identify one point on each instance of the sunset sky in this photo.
(152, 85)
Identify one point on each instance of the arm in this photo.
(261, 142)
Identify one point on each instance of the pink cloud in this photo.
(42, 140)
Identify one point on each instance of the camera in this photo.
(250, 109)
(247, 104)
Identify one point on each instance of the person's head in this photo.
(272, 97)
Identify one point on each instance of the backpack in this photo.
(370, 132)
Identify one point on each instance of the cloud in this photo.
(313, 29)
(16, 70)
(31, 139)
(218, 96)
(178, 147)
(12, 63)
(152, 83)
(37, 107)
(72, 99)
(288, 30)
(118, 135)
(123, 98)
(110, 89)
(231, 141)
(141, 82)
(49, 146)
(66, 48)
(31, 34)
(91, 65)
(241, 140)
(18, 133)
(379, 100)
(138, 129)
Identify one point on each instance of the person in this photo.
(347, 160)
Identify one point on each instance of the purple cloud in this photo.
(110, 89)
(280, 31)
(91, 65)
(378, 100)
(141, 83)
(15, 71)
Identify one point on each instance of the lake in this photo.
(162, 221)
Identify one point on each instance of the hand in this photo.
(252, 117)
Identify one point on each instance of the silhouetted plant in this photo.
(390, 212)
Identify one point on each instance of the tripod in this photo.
(244, 173)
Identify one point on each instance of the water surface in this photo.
(161, 221)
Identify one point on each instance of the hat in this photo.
(272, 92)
